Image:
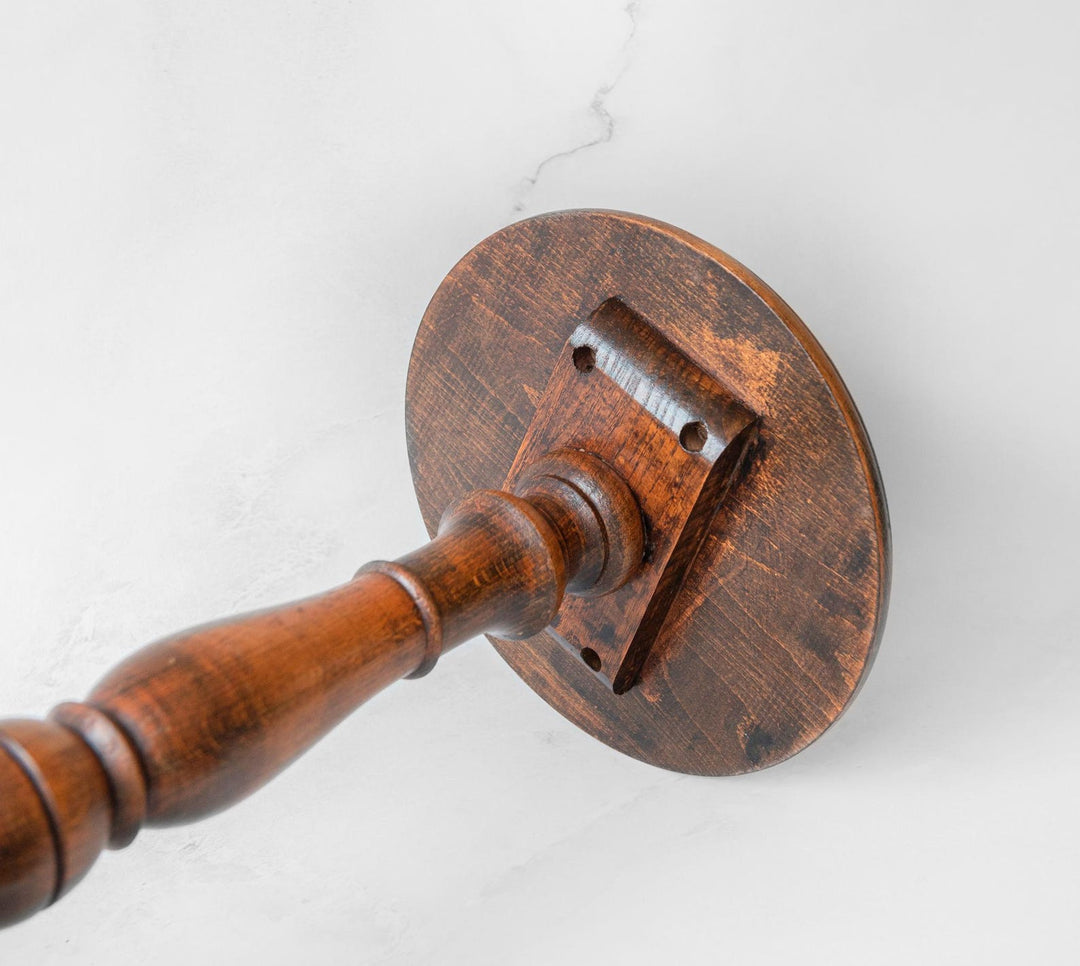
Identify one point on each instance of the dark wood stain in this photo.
(678, 538)
(753, 633)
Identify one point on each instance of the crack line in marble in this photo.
(597, 107)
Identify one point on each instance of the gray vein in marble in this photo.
(597, 107)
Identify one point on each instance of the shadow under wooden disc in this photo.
(780, 615)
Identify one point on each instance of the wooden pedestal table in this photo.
(664, 512)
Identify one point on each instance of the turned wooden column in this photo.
(197, 721)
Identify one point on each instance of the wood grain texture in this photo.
(780, 615)
(189, 725)
(678, 439)
(197, 721)
(30, 864)
(757, 562)
(62, 781)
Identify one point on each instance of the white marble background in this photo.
(219, 226)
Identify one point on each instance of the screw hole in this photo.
(693, 437)
(590, 657)
(584, 358)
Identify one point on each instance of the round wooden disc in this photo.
(780, 615)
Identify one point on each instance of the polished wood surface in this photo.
(664, 511)
(679, 439)
(197, 721)
(779, 615)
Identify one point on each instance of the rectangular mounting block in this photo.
(623, 392)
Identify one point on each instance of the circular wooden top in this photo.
(781, 612)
